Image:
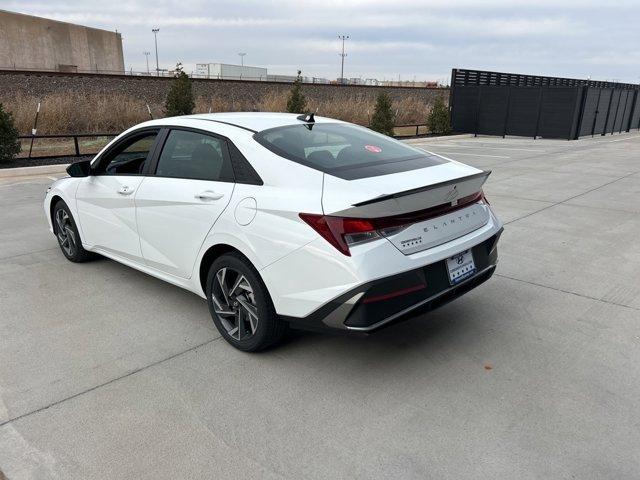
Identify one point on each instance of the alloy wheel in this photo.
(65, 233)
(234, 303)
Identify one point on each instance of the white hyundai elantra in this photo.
(279, 220)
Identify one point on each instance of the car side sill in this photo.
(186, 283)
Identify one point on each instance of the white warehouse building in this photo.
(230, 72)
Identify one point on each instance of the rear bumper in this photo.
(380, 303)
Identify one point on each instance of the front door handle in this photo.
(209, 195)
(125, 190)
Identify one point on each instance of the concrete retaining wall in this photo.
(30, 42)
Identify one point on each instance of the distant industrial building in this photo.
(291, 78)
(283, 78)
(35, 43)
(225, 71)
(230, 72)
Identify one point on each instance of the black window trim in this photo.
(99, 160)
(226, 142)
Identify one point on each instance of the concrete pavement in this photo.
(108, 373)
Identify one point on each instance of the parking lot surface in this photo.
(108, 373)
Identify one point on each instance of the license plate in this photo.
(461, 267)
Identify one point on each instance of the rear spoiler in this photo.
(484, 174)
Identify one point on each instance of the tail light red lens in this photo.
(342, 232)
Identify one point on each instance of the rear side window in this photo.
(194, 156)
(344, 150)
(242, 169)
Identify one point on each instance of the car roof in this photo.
(254, 121)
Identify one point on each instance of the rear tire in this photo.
(240, 305)
(67, 234)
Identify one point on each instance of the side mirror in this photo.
(80, 169)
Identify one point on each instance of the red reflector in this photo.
(397, 293)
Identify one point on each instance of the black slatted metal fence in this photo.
(494, 103)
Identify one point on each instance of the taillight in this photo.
(342, 232)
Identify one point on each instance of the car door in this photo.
(105, 199)
(177, 206)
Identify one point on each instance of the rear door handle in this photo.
(125, 190)
(209, 195)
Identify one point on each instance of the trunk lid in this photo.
(400, 193)
(434, 189)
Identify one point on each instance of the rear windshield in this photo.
(344, 150)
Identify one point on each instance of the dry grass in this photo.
(355, 109)
(43, 147)
(106, 113)
(74, 113)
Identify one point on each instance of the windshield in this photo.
(344, 150)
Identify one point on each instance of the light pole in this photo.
(241, 55)
(343, 38)
(155, 34)
(146, 55)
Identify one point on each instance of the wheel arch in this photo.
(52, 205)
(211, 254)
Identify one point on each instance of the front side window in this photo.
(194, 156)
(344, 150)
(130, 157)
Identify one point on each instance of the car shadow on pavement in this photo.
(452, 326)
(451, 329)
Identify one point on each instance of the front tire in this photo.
(240, 305)
(67, 234)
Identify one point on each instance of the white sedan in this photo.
(281, 220)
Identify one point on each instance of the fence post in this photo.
(540, 98)
(454, 74)
(34, 130)
(478, 105)
(75, 144)
(624, 110)
(595, 116)
(506, 114)
(633, 110)
(606, 120)
(613, 125)
(583, 101)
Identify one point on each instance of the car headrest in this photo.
(348, 153)
(206, 155)
(322, 157)
(288, 147)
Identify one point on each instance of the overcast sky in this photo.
(421, 39)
